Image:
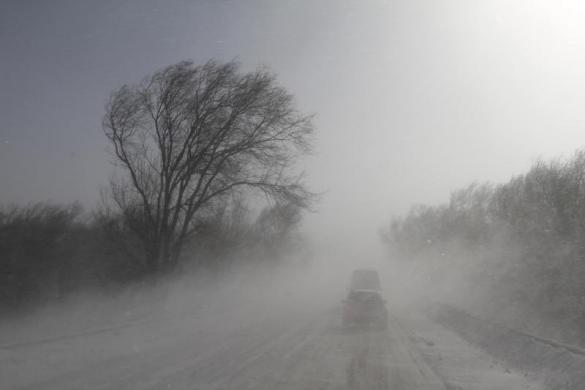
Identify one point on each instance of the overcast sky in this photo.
(414, 98)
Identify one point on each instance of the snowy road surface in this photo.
(296, 348)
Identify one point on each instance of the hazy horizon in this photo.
(413, 98)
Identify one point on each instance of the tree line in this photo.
(193, 148)
(48, 252)
(522, 244)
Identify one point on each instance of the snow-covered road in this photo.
(224, 348)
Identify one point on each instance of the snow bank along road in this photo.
(248, 347)
(556, 365)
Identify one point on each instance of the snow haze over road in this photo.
(269, 332)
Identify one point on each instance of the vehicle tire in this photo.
(383, 324)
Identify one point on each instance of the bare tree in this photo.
(190, 135)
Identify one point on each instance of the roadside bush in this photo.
(523, 241)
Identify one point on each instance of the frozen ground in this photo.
(269, 339)
(462, 365)
(557, 366)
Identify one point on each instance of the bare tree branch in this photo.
(189, 135)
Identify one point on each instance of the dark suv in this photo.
(364, 304)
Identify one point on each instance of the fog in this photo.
(400, 105)
(197, 320)
(413, 99)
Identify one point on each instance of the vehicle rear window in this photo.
(365, 280)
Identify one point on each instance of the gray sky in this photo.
(414, 98)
